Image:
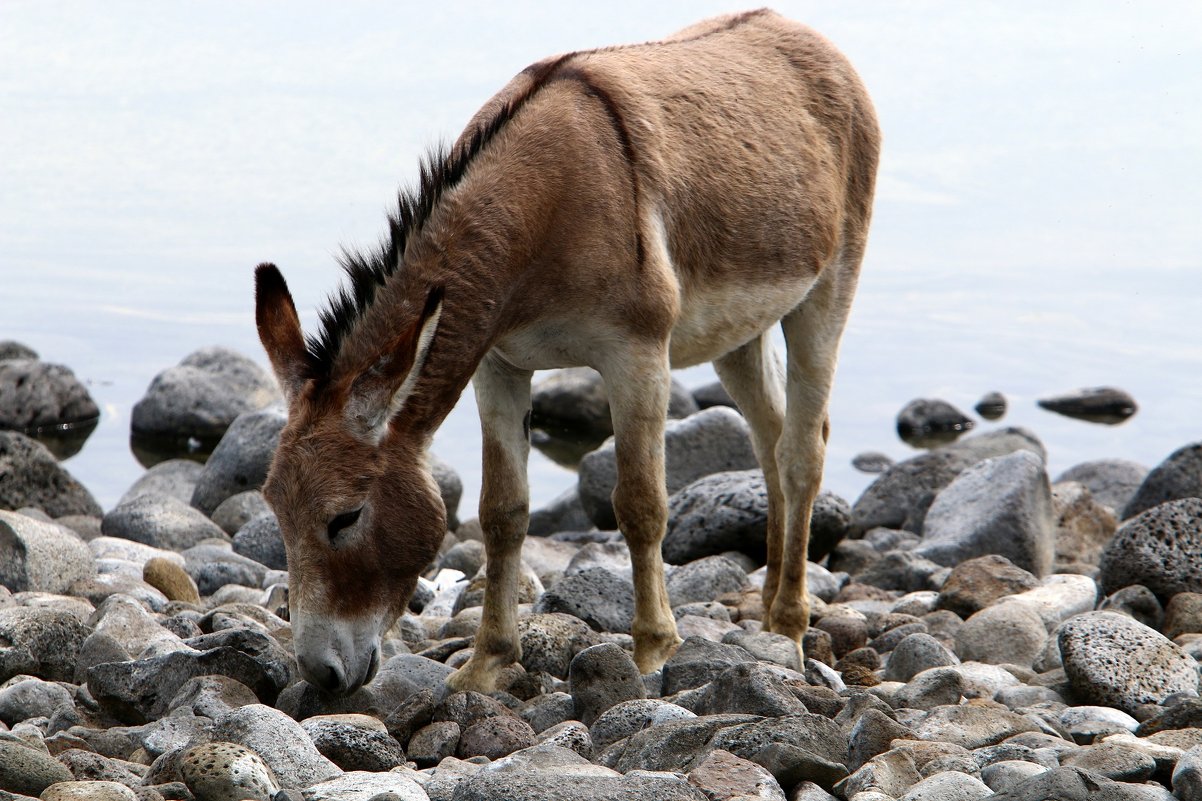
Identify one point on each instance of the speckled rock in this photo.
(260, 539)
(280, 741)
(601, 676)
(948, 785)
(434, 742)
(1113, 660)
(550, 641)
(625, 718)
(364, 786)
(711, 441)
(24, 769)
(598, 597)
(40, 557)
(704, 580)
(354, 742)
(1179, 476)
(1001, 505)
(88, 791)
(971, 726)
(495, 737)
(698, 661)
(722, 775)
(241, 459)
(224, 771)
(33, 477)
(1002, 634)
(1161, 549)
(51, 637)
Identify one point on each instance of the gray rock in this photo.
(872, 462)
(495, 737)
(904, 571)
(25, 770)
(35, 395)
(575, 399)
(202, 395)
(672, 745)
(51, 639)
(729, 512)
(971, 726)
(237, 510)
(212, 696)
(1001, 505)
(1096, 404)
(241, 459)
(1160, 549)
(434, 742)
(1113, 660)
(11, 349)
(601, 676)
(596, 596)
(1114, 760)
(353, 743)
(161, 521)
(991, 406)
(563, 513)
(1110, 481)
(1006, 633)
(698, 661)
(548, 785)
(750, 688)
(871, 735)
(467, 557)
(924, 419)
(1083, 528)
(976, 583)
(174, 477)
(627, 717)
(916, 653)
(811, 734)
(1075, 784)
(613, 556)
(354, 785)
(40, 557)
(550, 641)
(766, 646)
(711, 441)
(1179, 476)
(570, 734)
(280, 741)
(948, 785)
(31, 698)
(704, 580)
(31, 476)
(1137, 601)
(223, 770)
(723, 775)
(261, 540)
(450, 487)
(713, 394)
(1187, 775)
(214, 566)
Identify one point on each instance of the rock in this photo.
(766, 646)
(24, 769)
(23, 698)
(11, 349)
(750, 688)
(261, 540)
(495, 737)
(723, 775)
(698, 661)
(222, 771)
(628, 717)
(991, 406)
(237, 510)
(355, 785)
(550, 641)
(241, 459)
(1000, 505)
(214, 566)
(571, 734)
(40, 557)
(467, 557)
(816, 734)
(948, 785)
(704, 580)
(354, 742)
(469, 708)
(601, 676)
(927, 420)
(31, 476)
(35, 395)
(574, 399)
(161, 521)
(887, 776)
(1177, 477)
(1187, 775)
(1083, 526)
(1113, 760)
(711, 441)
(1113, 660)
(434, 742)
(916, 653)
(871, 735)
(1183, 615)
(450, 488)
(550, 785)
(596, 596)
(88, 791)
(976, 583)
(671, 745)
(563, 513)
(1002, 634)
(51, 638)
(1075, 784)
(279, 741)
(175, 478)
(171, 579)
(903, 571)
(713, 394)
(212, 696)
(872, 462)
(1097, 405)
(1137, 601)
(202, 395)
(1159, 549)
(1057, 598)
(971, 726)
(1112, 482)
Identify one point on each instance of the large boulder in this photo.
(31, 476)
(36, 395)
(241, 459)
(41, 557)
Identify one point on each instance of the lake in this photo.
(1037, 223)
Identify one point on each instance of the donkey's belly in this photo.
(718, 319)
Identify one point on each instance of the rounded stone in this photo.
(25, 770)
(34, 394)
(175, 478)
(1113, 660)
(1112, 482)
(221, 771)
(161, 521)
(33, 477)
(916, 653)
(170, 578)
(40, 557)
(1160, 548)
(601, 676)
(1007, 633)
(495, 737)
(237, 510)
(925, 420)
(241, 459)
(704, 580)
(1178, 476)
(260, 539)
(89, 791)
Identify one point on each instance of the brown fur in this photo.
(630, 209)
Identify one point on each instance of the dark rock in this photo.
(930, 421)
(816, 734)
(708, 442)
(564, 513)
(1177, 477)
(750, 688)
(237, 510)
(704, 580)
(495, 737)
(1111, 481)
(241, 459)
(31, 476)
(36, 396)
(469, 708)
(914, 654)
(261, 540)
(673, 745)
(698, 661)
(11, 349)
(1073, 784)
(991, 406)
(713, 394)
(903, 571)
(1137, 601)
(1096, 405)
(433, 743)
(596, 596)
(450, 487)
(871, 734)
(354, 747)
(872, 462)
(1160, 549)
(601, 676)
(575, 399)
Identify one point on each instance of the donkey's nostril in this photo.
(325, 676)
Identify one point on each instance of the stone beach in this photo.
(979, 629)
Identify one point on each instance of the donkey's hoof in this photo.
(650, 656)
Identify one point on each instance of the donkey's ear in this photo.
(380, 392)
(280, 330)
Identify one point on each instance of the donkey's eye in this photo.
(342, 521)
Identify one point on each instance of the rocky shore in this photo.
(979, 629)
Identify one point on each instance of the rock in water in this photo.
(31, 476)
(36, 395)
(1114, 660)
(925, 422)
(992, 406)
(1096, 405)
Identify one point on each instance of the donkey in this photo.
(632, 209)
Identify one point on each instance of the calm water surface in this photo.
(1037, 224)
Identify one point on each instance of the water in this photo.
(1037, 224)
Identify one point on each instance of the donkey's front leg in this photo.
(503, 397)
(638, 385)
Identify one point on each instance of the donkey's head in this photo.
(360, 514)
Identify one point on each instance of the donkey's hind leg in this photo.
(638, 382)
(754, 377)
(503, 397)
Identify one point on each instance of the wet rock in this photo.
(202, 395)
(25, 770)
(161, 521)
(40, 557)
(596, 596)
(36, 395)
(1177, 477)
(991, 406)
(601, 676)
(30, 476)
(1160, 549)
(261, 540)
(354, 742)
(931, 421)
(1113, 660)
(222, 771)
(1000, 505)
(1112, 482)
(240, 461)
(279, 740)
(711, 441)
(1096, 405)
(872, 462)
